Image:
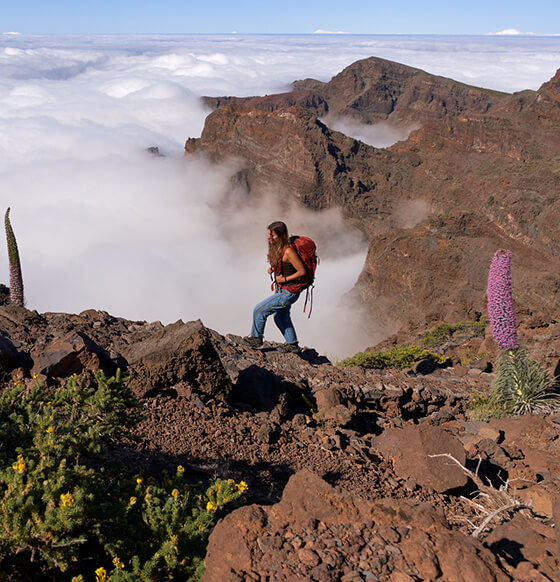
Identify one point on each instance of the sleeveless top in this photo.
(287, 269)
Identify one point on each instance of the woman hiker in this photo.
(287, 269)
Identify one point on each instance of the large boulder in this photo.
(71, 354)
(179, 353)
(422, 453)
(321, 534)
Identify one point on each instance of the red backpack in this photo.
(307, 252)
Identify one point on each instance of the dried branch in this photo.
(491, 502)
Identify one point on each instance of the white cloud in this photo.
(510, 32)
(320, 31)
(379, 135)
(102, 224)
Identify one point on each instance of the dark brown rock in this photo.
(180, 352)
(9, 356)
(72, 354)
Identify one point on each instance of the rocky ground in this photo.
(353, 474)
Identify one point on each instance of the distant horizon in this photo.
(316, 33)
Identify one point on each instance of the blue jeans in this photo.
(278, 304)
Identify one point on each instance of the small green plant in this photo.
(522, 384)
(484, 407)
(444, 331)
(70, 511)
(16, 278)
(401, 357)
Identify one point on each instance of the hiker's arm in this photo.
(291, 256)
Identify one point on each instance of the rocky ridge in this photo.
(345, 481)
(480, 172)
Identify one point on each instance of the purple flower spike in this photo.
(500, 301)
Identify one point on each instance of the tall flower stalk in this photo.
(521, 384)
(501, 310)
(16, 278)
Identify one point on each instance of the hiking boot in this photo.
(289, 348)
(253, 342)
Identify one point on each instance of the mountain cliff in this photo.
(483, 165)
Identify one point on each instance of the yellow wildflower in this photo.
(242, 486)
(50, 430)
(101, 575)
(139, 480)
(132, 500)
(19, 465)
(66, 499)
(210, 506)
(180, 469)
(34, 376)
(175, 493)
(118, 563)
(174, 540)
(78, 578)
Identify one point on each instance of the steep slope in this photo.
(482, 172)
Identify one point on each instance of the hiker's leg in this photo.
(283, 319)
(266, 308)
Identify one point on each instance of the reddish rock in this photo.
(527, 545)
(478, 165)
(542, 497)
(385, 539)
(71, 354)
(412, 451)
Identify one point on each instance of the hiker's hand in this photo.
(278, 277)
(270, 270)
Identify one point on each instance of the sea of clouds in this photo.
(102, 224)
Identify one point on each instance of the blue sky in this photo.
(288, 16)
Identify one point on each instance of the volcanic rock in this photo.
(318, 533)
(479, 173)
(178, 353)
(72, 354)
(423, 454)
(297, 428)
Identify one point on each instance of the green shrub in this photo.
(66, 515)
(444, 331)
(400, 357)
(523, 384)
(486, 406)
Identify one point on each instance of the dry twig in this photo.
(493, 502)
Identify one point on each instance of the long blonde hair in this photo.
(276, 247)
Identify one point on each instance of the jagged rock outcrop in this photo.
(480, 173)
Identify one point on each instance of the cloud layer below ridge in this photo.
(102, 224)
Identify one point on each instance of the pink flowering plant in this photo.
(501, 310)
(521, 384)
